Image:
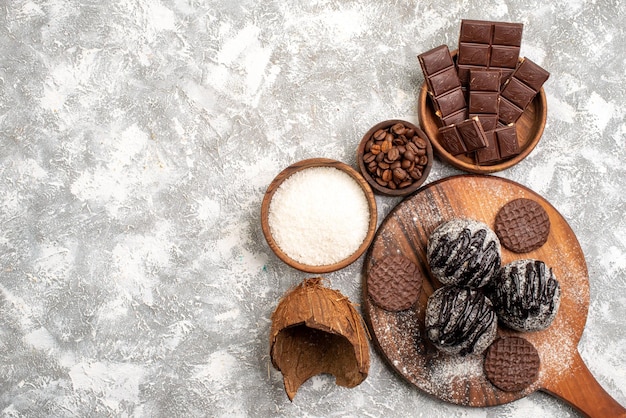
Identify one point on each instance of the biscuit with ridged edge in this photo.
(512, 363)
(522, 225)
(394, 283)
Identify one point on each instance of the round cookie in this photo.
(526, 295)
(460, 320)
(522, 225)
(464, 252)
(394, 283)
(511, 363)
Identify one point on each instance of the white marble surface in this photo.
(137, 138)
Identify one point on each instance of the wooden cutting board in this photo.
(400, 337)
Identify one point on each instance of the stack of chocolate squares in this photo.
(480, 97)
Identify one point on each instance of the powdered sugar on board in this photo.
(400, 336)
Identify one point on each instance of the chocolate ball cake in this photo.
(464, 252)
(526, 295)
(460, 320)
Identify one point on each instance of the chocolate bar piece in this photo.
(485, 44)
(484, 94)
(464, 137)
(520, 89)
(456, 117)
(501, 144)
(488, 122)
(451, 140)
(490, 153)
(507, 141)
(443, 84)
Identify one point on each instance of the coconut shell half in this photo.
(317, 330)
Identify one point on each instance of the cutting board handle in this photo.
(581, 390)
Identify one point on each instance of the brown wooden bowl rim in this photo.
(302, 165)
(489, 168)
(385, 190)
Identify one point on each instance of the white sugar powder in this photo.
(319, 216)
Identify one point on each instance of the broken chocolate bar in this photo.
(507, 141)
(484, 93)
(464, 137)
(489, 154)
(443, 84)
(520, 89)
(501, 144)
(491, 45)
(451, 140)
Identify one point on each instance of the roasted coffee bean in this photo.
(398, 129)
(412, 147)
(416, 173)
(380, 134)
(419, 142)
(395, 156)
(399, 173)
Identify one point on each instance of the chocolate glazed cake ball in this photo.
(460, 320)
(464, 252)
(526, 295)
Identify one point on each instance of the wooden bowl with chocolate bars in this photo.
(482, 106)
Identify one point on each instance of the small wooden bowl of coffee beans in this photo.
(395, 157)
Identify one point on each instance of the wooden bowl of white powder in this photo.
(319, 215)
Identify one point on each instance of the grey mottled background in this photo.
(137, 138)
